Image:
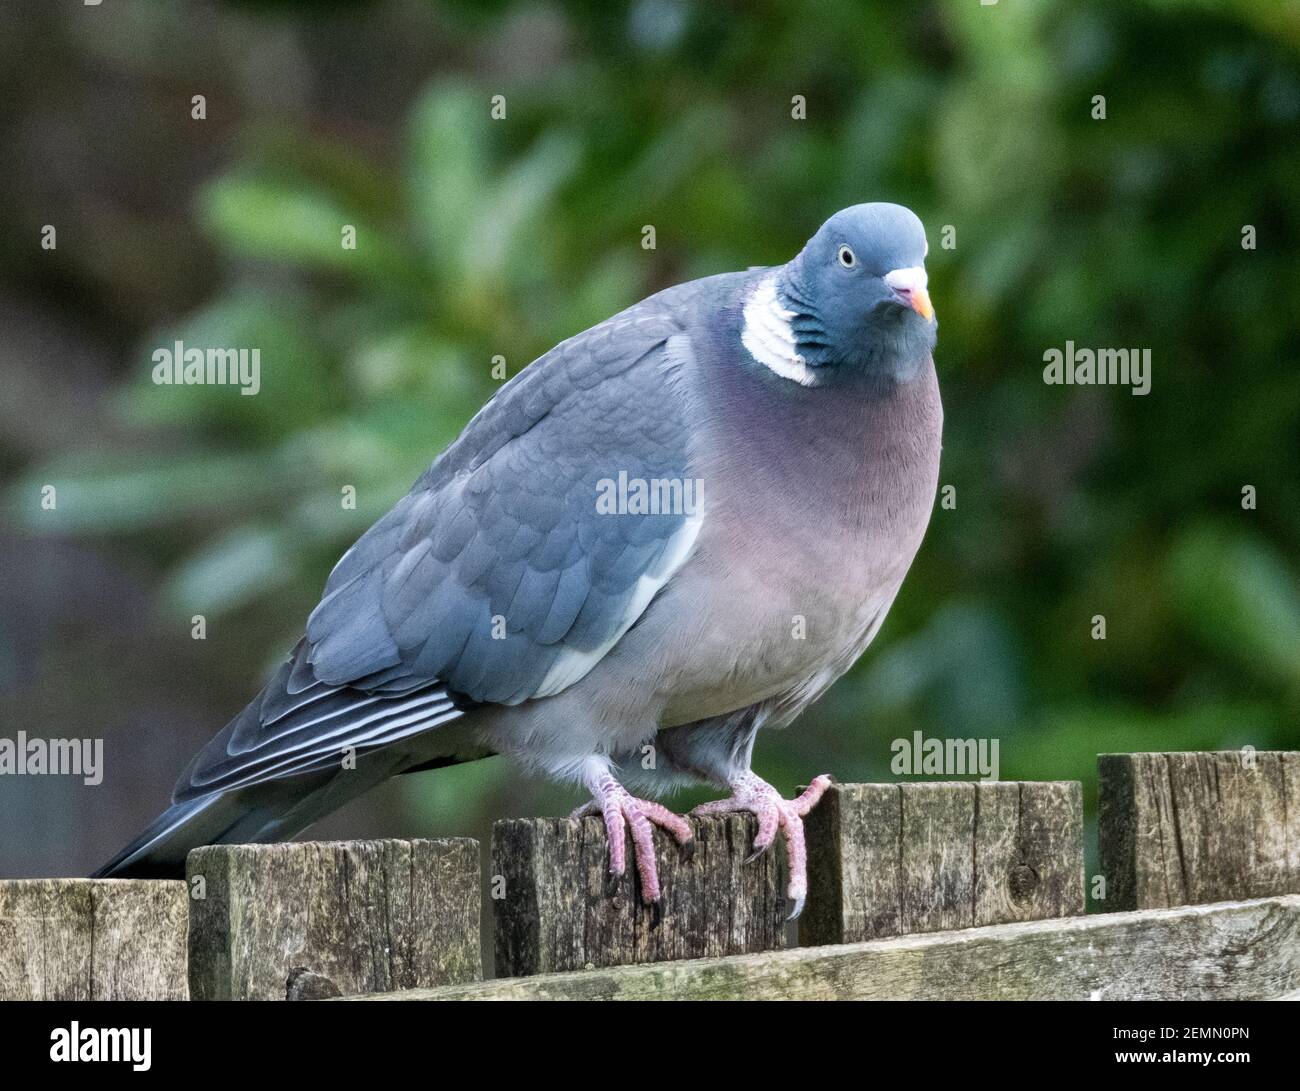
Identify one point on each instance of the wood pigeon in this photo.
(673, 529)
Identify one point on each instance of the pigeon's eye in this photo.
(846, 257)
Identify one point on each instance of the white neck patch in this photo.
(769, 337)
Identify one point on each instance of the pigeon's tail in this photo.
(255, 814)
(260, 813)
(159, 852)
(299, 750)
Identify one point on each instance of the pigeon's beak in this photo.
(909, 286)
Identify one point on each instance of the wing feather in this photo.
(495, 579)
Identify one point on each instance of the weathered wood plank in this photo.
(892, 859)
(1028, 851)
(1187, 828)
(936, 858)
(315, 918)
(557, 908)
(92, 939)
(1230, 951)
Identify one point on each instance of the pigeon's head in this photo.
(855, 297)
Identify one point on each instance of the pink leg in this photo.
(752, 793)
(621, 811)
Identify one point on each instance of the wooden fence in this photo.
(924, 891)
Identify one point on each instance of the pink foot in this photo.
(621, 811)
(752, 793)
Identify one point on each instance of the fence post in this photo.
(323, 918)
(890, 859)
(92, 939)
(557, 908)
(1187, 828)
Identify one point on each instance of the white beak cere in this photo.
(907, 280)
(911, 284)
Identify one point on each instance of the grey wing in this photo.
(496, 579)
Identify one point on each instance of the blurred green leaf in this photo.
(276, 221)
(238, 568)
(1240, 598)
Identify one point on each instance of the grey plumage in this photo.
(495, 609)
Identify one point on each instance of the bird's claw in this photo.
(623, 813)
(753, 794)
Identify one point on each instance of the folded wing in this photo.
(495, 579)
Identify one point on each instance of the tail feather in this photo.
(260, 813)
(159, 852)
(277, 767)
(264, 813)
